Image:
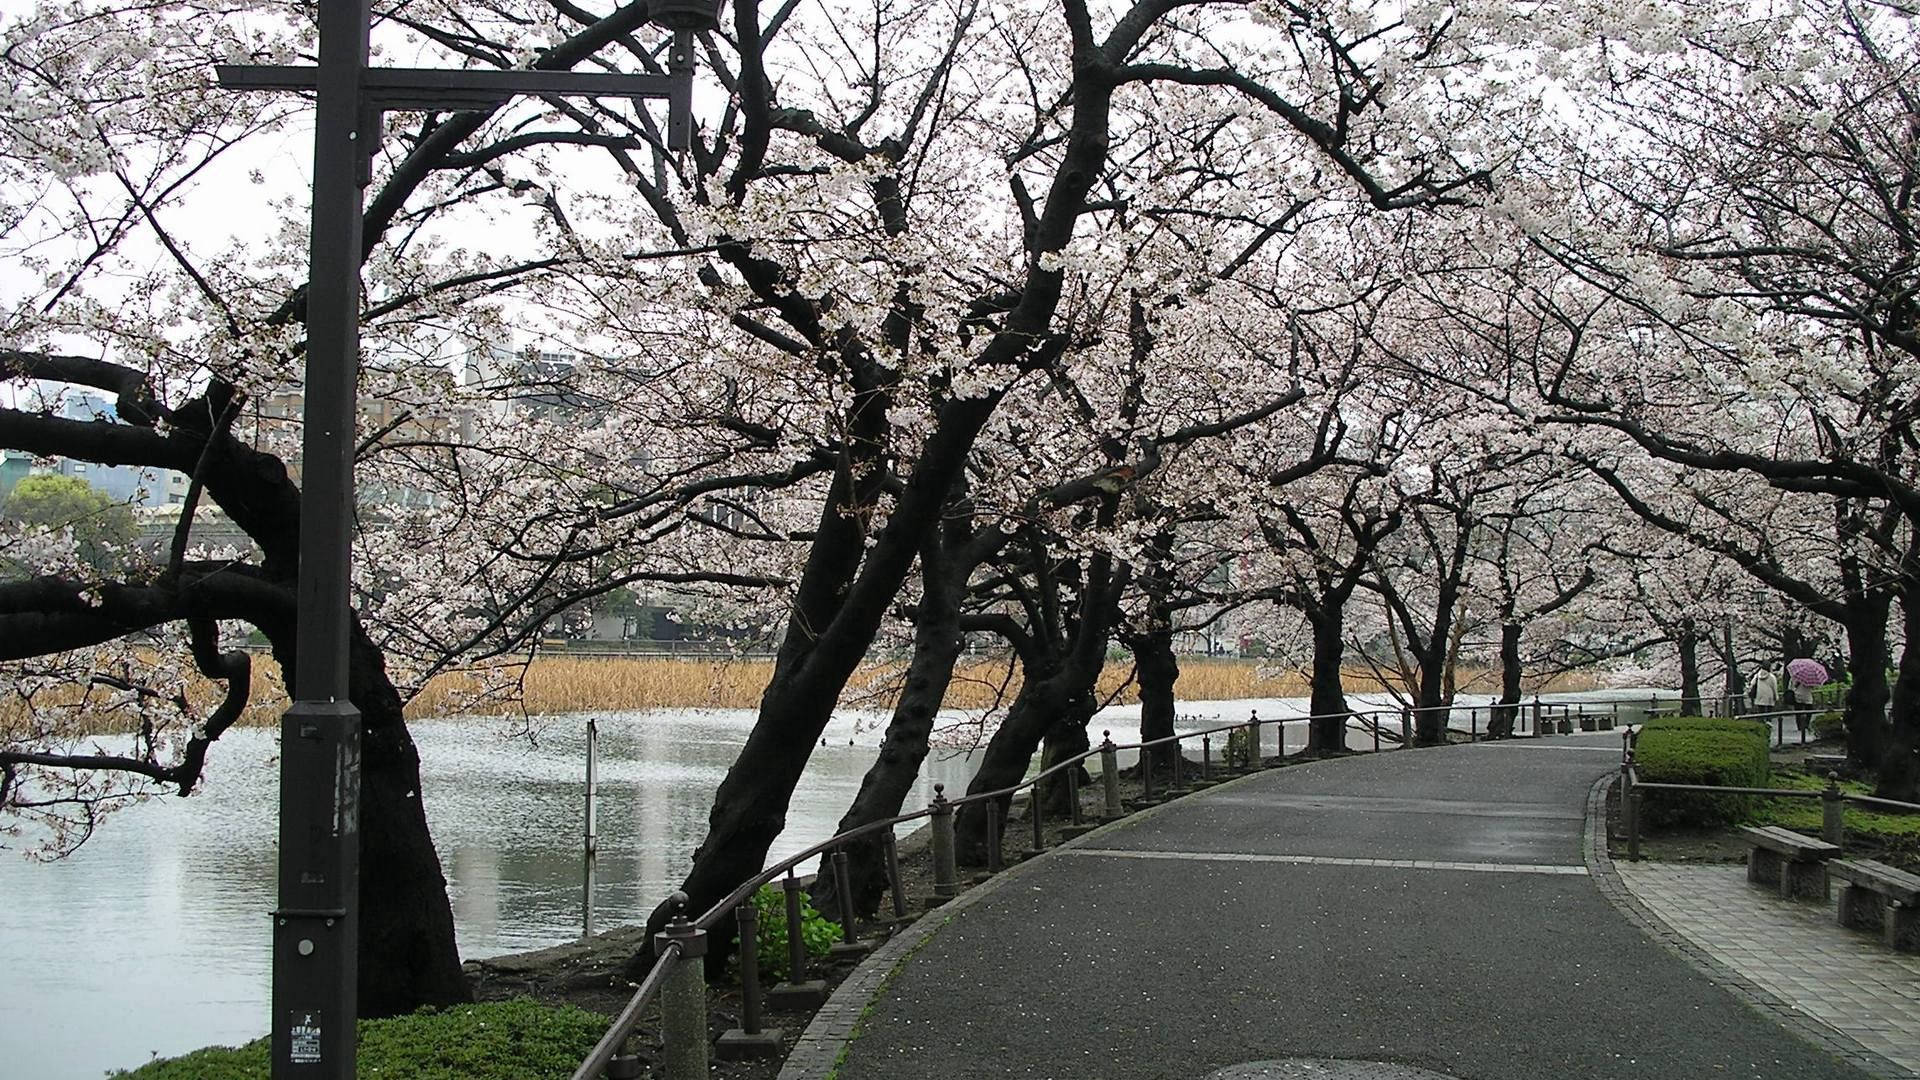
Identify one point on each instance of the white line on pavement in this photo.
(1588, 749)
(1328, 860)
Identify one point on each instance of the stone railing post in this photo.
(946, 873)
(683, 999)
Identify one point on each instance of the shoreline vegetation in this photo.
(577, 684)
(551, 684)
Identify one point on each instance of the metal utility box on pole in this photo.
(315, 926)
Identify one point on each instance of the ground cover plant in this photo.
(818, 931)
(520, 1039)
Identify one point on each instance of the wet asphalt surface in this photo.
(1107, 966)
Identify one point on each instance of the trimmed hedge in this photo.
(1723, 751)
(501, 1040)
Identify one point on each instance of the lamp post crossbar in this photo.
(315, 925)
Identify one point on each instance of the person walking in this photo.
(1803, 708)
(1766, 691)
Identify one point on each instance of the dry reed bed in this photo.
(571, 684)
(561, 684)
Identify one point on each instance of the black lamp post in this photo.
(315, 926)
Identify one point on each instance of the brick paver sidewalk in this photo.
(1797, 952)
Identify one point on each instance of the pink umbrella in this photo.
(1807, 672)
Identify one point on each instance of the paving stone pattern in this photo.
(1796, 951)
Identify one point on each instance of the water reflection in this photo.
(153, 938)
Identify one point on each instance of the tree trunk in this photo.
(1899, 773)
(1867, 699)
(1035, 709)
(1735, 684)
(1688, 644)
(1328, 704)
(839, 606)
(1158, 671)
(1430, 722)
(1500, 720)
(883, 791)
(408, 955)
(750, 806)
(1066, 738)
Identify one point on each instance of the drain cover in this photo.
(1324, 1069)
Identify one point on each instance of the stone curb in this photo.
(817, 1052)
(1607, 878)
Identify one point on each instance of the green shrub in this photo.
(1831, 724)
(499, 1040)
(818, 931)
(1757, 728)
(1722, 751)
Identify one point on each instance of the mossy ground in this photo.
(519, 1039)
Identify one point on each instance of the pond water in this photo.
(152, 938)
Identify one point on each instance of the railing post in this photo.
(1039, 822)
(796, 944)
(1179, 765)
(1536, 716)
(748, 916)
(748, 1040)
(1110, 774)
(1779, 729)
(893, 876)
(1473, 723)
(1253, 741)
(1073, 794)
(1626, 787)
(1206, 757)
(1373, 721)
(683, 999)
(945, 873)
(1833, 810)
(843, 884)
(1635, 802)
(1406, 729)
(996, 861)
(1146, 773)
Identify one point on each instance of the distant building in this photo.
(14, 465)
(132, 485)
(538, 383)
(278, 418)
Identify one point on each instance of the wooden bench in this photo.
(1881, 899)
(1796, 865)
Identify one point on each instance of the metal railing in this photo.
(1833, 801)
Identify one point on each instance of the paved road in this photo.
(1430, 909)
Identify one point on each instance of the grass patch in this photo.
(1805, 815)
(503, 1040)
